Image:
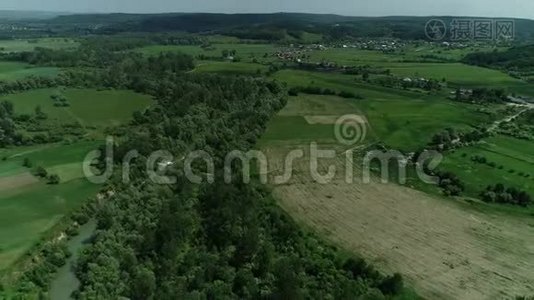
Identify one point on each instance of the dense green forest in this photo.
(520, 58)
(272, 26)
(517, 60)
(214, 240)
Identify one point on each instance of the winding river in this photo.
(65, 282)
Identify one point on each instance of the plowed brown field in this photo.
(443, 249)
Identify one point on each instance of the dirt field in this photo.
(444, 250)
(17, 181)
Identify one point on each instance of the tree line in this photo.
(499, 194)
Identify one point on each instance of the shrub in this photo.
(498, 194)
(41, 172)
(27, 163)
(392, 285)
(53, 179)
(293, 92)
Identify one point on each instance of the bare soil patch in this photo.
(443, 249)
(17, 181)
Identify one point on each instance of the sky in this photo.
(483, 8)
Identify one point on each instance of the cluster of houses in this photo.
(12, 27)
(385, 45)
(422, 83)
(299, 53)
(293, 54)
(453, 45)
(461, 94)
(410, 80)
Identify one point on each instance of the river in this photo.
(65, 281)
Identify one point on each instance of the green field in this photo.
(291, 125)
(297, 129)
(404, 120)
(353, 57)
(243, 51)
(411, 53)
(261, 54)
(230, 68)
(341, 82)
(456, 74)
(32, 207)
(453, 72)
(400, 64)
(10, 71)
(88, 107)
(30, 45)
(506, 152)
(305, 37)
(29, 207)
(423, 51)
(223, 39)
(408, 125)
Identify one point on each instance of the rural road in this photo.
(498, 123)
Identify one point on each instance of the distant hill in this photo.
(95, 19)
(15, 15)
(269, 26)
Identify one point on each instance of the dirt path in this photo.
(498, 123)
(445, 251)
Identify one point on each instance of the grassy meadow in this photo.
(243, 51)
(411, 53)
(291, 125)
(31, 44)
(29, 206)
(252, 57)
(10, 71)
(403, 120)
(513, 158)
(88, 107)
(406, 63)
(353, 57)
(408, 125)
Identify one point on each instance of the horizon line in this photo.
(67, 13)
